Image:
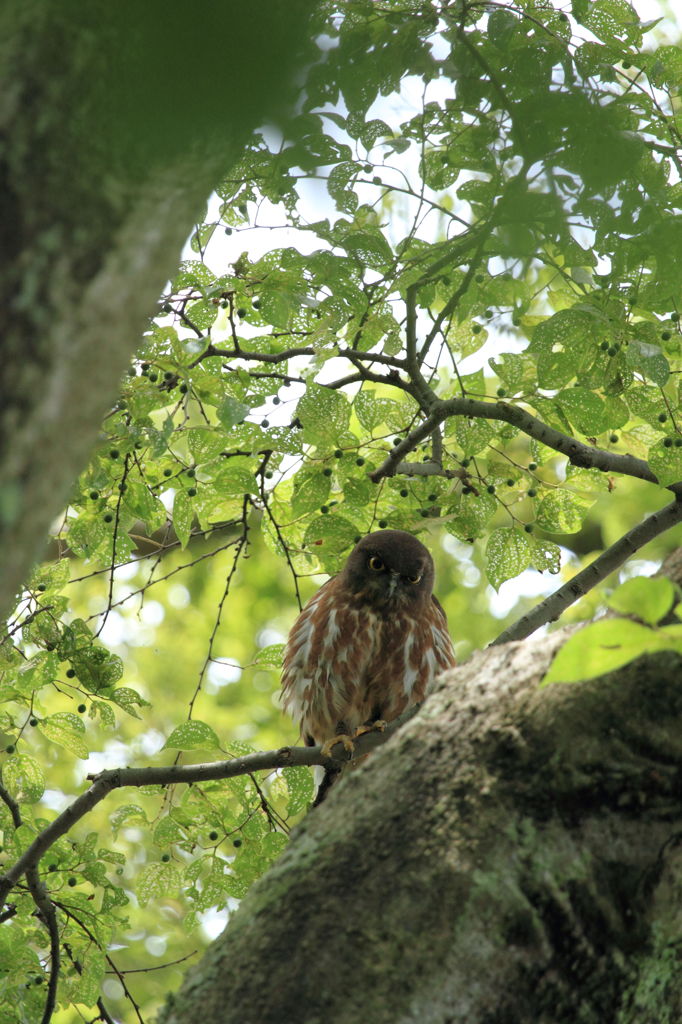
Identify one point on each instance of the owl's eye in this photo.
(376, 563)
(414, 579)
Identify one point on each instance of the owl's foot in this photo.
(378, 726)
(346, 740)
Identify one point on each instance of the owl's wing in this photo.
(324, 663)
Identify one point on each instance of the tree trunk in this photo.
(116, 120)
(511, 856)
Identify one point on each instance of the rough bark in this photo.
(512, 856)
(116, 120)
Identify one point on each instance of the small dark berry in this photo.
(191, 491)
(467, 490)
(626, 65)
(376, 180)
(667, 442)
(359, 461)
(33, 722)
(612, 350)
(490, 488)
(108, 518)
(604, 346)
(532, 492)
(145, 367)
(51, 867)
(123, 486)
(662, 417)
(532, 466)
(324, 509)
(675, 317)
(81, 709)
(256, 303)
(165, 857)
(241, 312)
(383, 524)
(501, 392)
(479, 278)
(191, 472)
(338, 454)
(465, 462)
(276, 400)
(488, 313)
(357, 539)
(73, 881)
(228, 231)
(678, 442)
(94, 495)
(269, 474)
(70, 673)
(327, 471)
(168, 375)
(168, 472)
(41, 587)
(10, 748)
(404, 492)
(613, 438)
(183, 389)
(476, 329)
(153, 377)
(139, 446)
(528, 527)
(213, 836)
(114, 453)
(424, 513)
(237, 842)
(510, 483)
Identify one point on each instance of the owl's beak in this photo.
(394, 578)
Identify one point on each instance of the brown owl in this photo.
(368, 644)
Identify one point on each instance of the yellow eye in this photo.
(414, 579)
(376, 563)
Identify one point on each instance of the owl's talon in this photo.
(347, 742)
(378, 726)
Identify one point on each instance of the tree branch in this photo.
(551, 608)
(578, 453)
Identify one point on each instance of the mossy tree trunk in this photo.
(511, 856)
(116, 120)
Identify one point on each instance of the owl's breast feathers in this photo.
(348, 663)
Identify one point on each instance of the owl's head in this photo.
(390, 567)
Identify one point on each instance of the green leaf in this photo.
(23, 777)
(157, 881)
(646, 597)
(311, 489)
(192, 735)
(605, 646)
(67, 730)
(271, 655)
(129, 814)
(648, 360)
(371, 248)
(508, 552)
(584, 410)
(129, 699)
(301, 787)
(183, 516)
(666, 463)
(562, 512)
(324, 414)
(230, 413)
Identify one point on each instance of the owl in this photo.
(368, 644)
